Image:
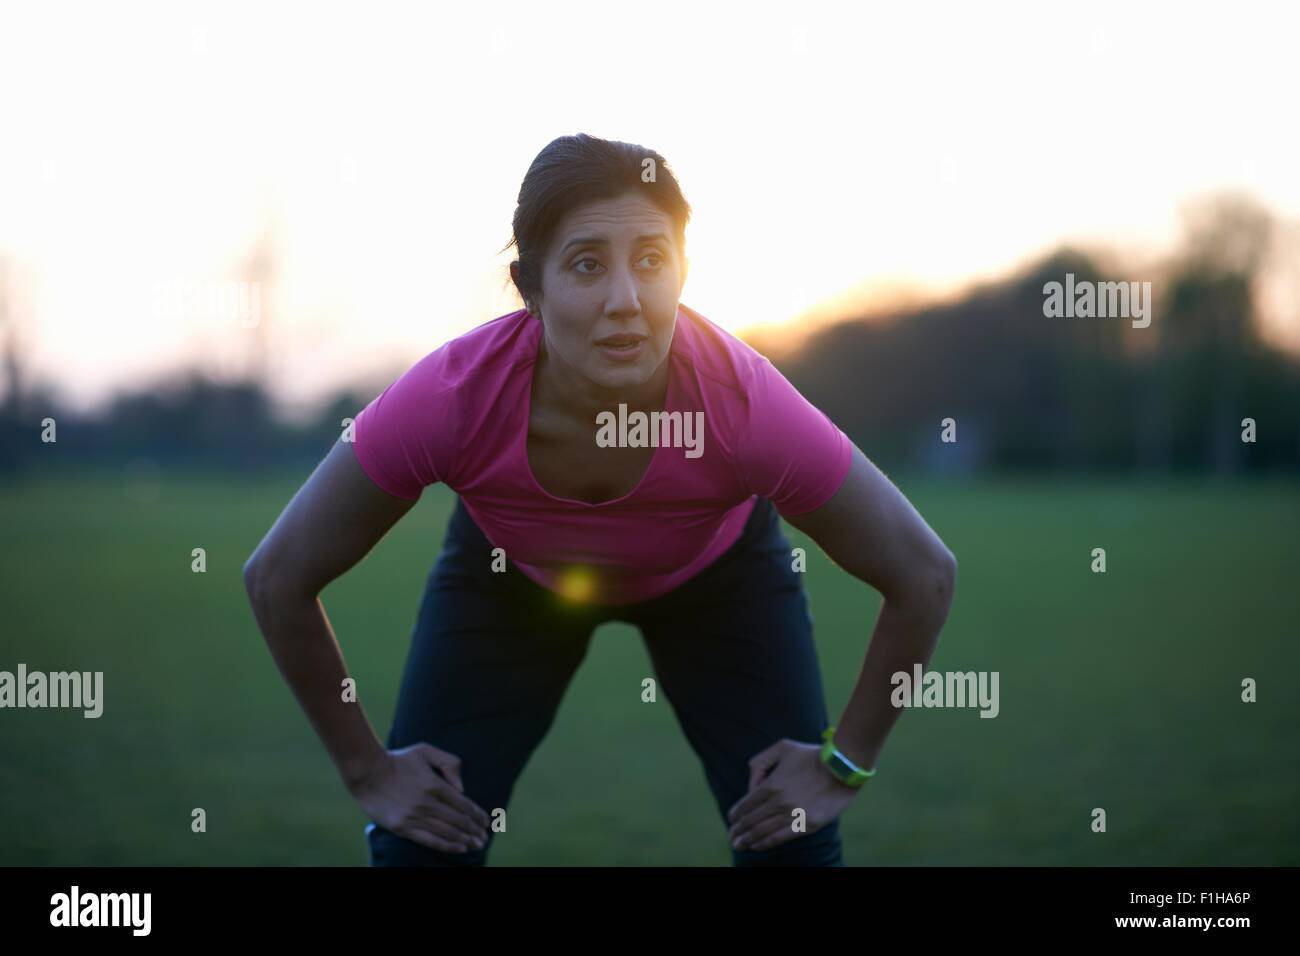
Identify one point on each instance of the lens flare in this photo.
(577, 584)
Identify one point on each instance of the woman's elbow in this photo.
(254, 580)
(926, 590)
(947, 562)
(940, 580)
(950, 577)
(261, 579)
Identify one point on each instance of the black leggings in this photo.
(493, 652)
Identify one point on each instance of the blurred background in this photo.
(225, 228)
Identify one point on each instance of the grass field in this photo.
(1118, 690)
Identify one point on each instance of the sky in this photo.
(830, 152)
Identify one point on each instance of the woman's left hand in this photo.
(764, 817)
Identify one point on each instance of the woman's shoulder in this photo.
(781, 446)
(488, 351)
(720, 359)
(503, 340)
(417, 430)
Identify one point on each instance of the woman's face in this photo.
(611, 283)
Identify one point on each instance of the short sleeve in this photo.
(405, 438)
(789, 452)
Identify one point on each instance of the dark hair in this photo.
(573, 170)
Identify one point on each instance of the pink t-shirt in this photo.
(460, 416)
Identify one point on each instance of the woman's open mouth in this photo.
(622, 348)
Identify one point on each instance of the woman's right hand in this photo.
(405, 795)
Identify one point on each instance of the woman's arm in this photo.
(333, 521)
(873, 532)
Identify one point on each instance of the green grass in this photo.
(1118, 690)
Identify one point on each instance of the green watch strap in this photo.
(844, 769)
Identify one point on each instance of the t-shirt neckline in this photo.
(670, 404)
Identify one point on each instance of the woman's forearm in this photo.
(906, 634)
(303, 645)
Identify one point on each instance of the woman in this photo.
(574, 511)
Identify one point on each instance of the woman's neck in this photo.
(560, 386)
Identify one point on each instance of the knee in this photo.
(389, 849)
(822, 848)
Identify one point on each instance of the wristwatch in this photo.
(844, 769)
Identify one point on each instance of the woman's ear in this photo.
(514, 277)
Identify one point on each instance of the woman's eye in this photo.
(650, 255)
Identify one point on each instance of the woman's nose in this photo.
(624, 293)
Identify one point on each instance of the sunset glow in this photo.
(829, 154)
